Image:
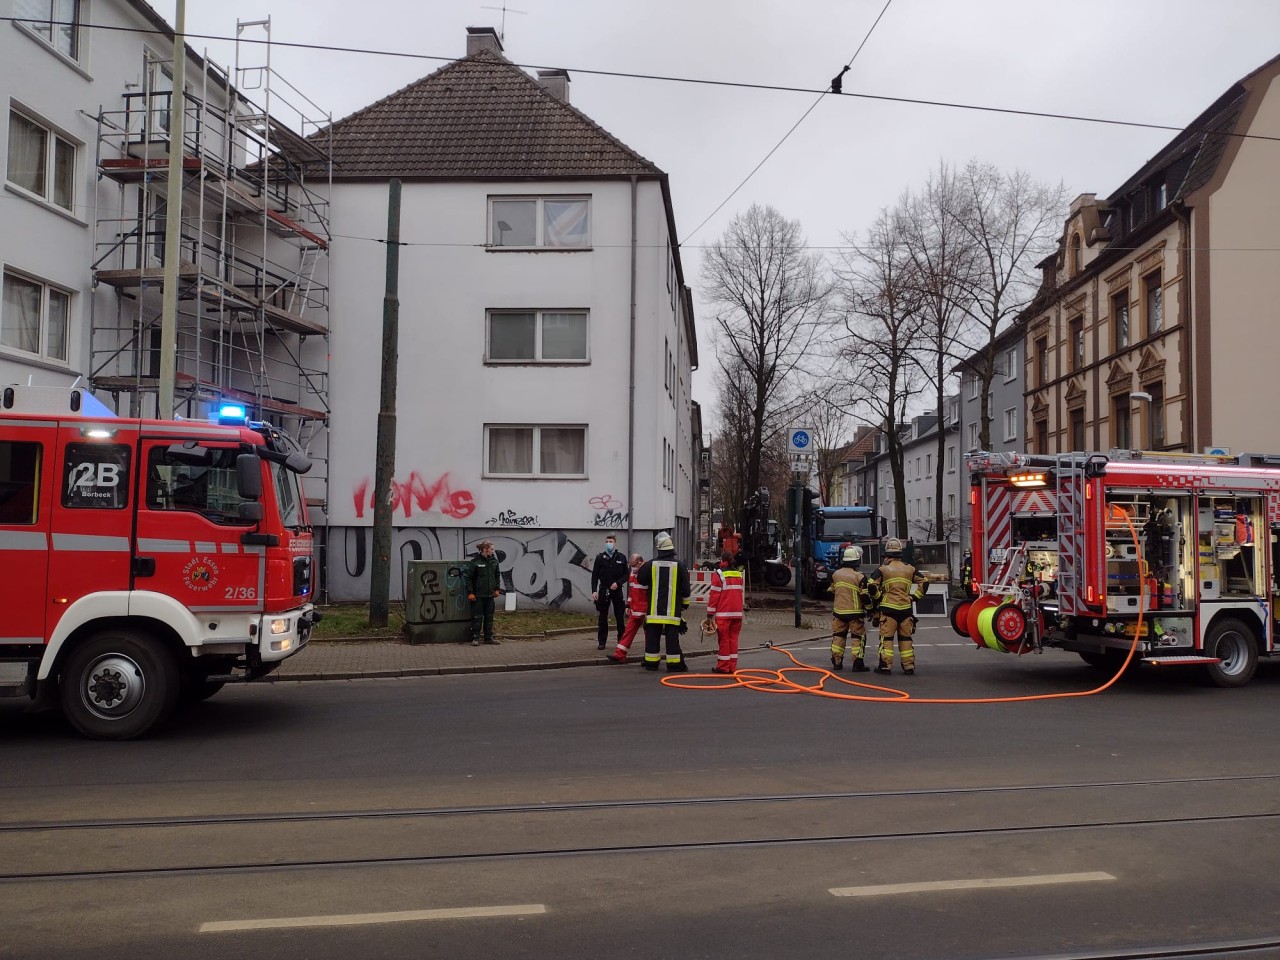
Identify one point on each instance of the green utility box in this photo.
(435, 599)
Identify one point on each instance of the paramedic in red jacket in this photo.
(724, 608)
(637, 607)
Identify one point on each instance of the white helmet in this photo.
(893, 545)
(852, 555)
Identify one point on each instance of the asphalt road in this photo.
(594, 812)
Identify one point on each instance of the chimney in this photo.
(483, 38)
(555, 82)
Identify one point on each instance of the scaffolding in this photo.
(253, 296)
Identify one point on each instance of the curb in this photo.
(597, 661)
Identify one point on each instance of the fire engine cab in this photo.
(1090, 552)
(144, 562)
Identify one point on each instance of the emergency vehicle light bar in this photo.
(1029, 478)
(232, 413)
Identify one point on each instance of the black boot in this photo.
(677, 666)
(859, 666)
(883, 669)
(837, 663)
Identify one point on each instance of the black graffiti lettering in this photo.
(611, 518)
(509, 518)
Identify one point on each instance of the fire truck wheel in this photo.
(1236, 647)
(776, 575)
(118, 685)
(197, 687)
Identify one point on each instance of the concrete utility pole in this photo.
(173, 220)
(385, 457)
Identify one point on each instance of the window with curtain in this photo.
(40, 161)
(558, 222)
(20, 321)
(536, 451)
(537, 336)
(56, 22)
(1120, 318)
(1154, 301)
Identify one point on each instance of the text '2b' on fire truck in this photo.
(145, 562)
(1092, 552)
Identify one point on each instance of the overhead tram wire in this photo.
(741, 85)
(834, 88)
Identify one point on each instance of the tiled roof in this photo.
(480, 117)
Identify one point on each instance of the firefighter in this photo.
(966, 575)
(637, 605)
(666, 580)
(849, 610)
(724, 612)
(894, 585)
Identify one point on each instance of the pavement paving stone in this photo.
(366, 659)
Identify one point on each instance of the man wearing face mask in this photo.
(608, 580)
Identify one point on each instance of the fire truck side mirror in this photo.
(297, 463)
(248, 477)
(251, 511)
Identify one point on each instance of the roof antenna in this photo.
(502, 30)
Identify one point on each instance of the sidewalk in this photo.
(358, 659)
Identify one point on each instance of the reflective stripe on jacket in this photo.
(900, 583)
(667, 582)
(725, 600)
(637, 596)
(848, 586)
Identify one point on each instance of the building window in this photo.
(1160, 194)
(974, 384)
(951, 504)
(1120, 318)
(973, 436)
(56, 22)
(537, 336)
(928, 464)
(1077, 429)
(34, 317)
(1011, 424)
(951, 459)
(558, 222)
(1010, 364)
(1122, 437)
(1075, 328)
(40, 161)
(535, 451)
(1077, 261)
(1042, 436)
(1157, 415)
(1042, 361)
(1153, 301)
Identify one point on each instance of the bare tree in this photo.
(1013, 222)
(775, 298)
(945, 265)
(825, 416)
(883, 326)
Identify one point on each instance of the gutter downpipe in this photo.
(631, 382)
(1187, 298)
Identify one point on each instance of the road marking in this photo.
(357, 919)
(977, 884)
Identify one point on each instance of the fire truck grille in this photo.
(302, 576)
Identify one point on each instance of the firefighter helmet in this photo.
(663, 543)
(852, 555)
(893, 545)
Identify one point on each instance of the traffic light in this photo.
(812, 511)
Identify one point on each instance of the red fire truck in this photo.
(144, 562)
(1088, 551)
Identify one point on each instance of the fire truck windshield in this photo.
(289, 495)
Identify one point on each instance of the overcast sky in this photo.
(1149, 61)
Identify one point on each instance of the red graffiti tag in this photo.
(458, 504)
(606, 501)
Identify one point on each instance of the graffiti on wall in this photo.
(416, 492)
(610, 518)
(550, 568)
(605, 501)
(509, 518)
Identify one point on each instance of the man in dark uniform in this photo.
(667, 580)
(608, 582)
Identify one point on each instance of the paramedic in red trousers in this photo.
(608, 581)
(894, 585)
(666, 580)
(637, 607)
(724, 610)
(849, 611)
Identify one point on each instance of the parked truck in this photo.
(145, 562)
(826, 531)
(1171, 555)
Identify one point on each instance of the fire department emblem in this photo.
(200, 574)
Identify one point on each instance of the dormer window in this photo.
(1077, 259)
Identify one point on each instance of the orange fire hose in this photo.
(779, 681)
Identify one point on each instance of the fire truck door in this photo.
(90, 520)
(24, 539)
(189, 532)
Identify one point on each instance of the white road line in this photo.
(977, 884)
(356, 919)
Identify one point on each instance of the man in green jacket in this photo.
(483, 584)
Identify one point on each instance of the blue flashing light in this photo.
(233, 413)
